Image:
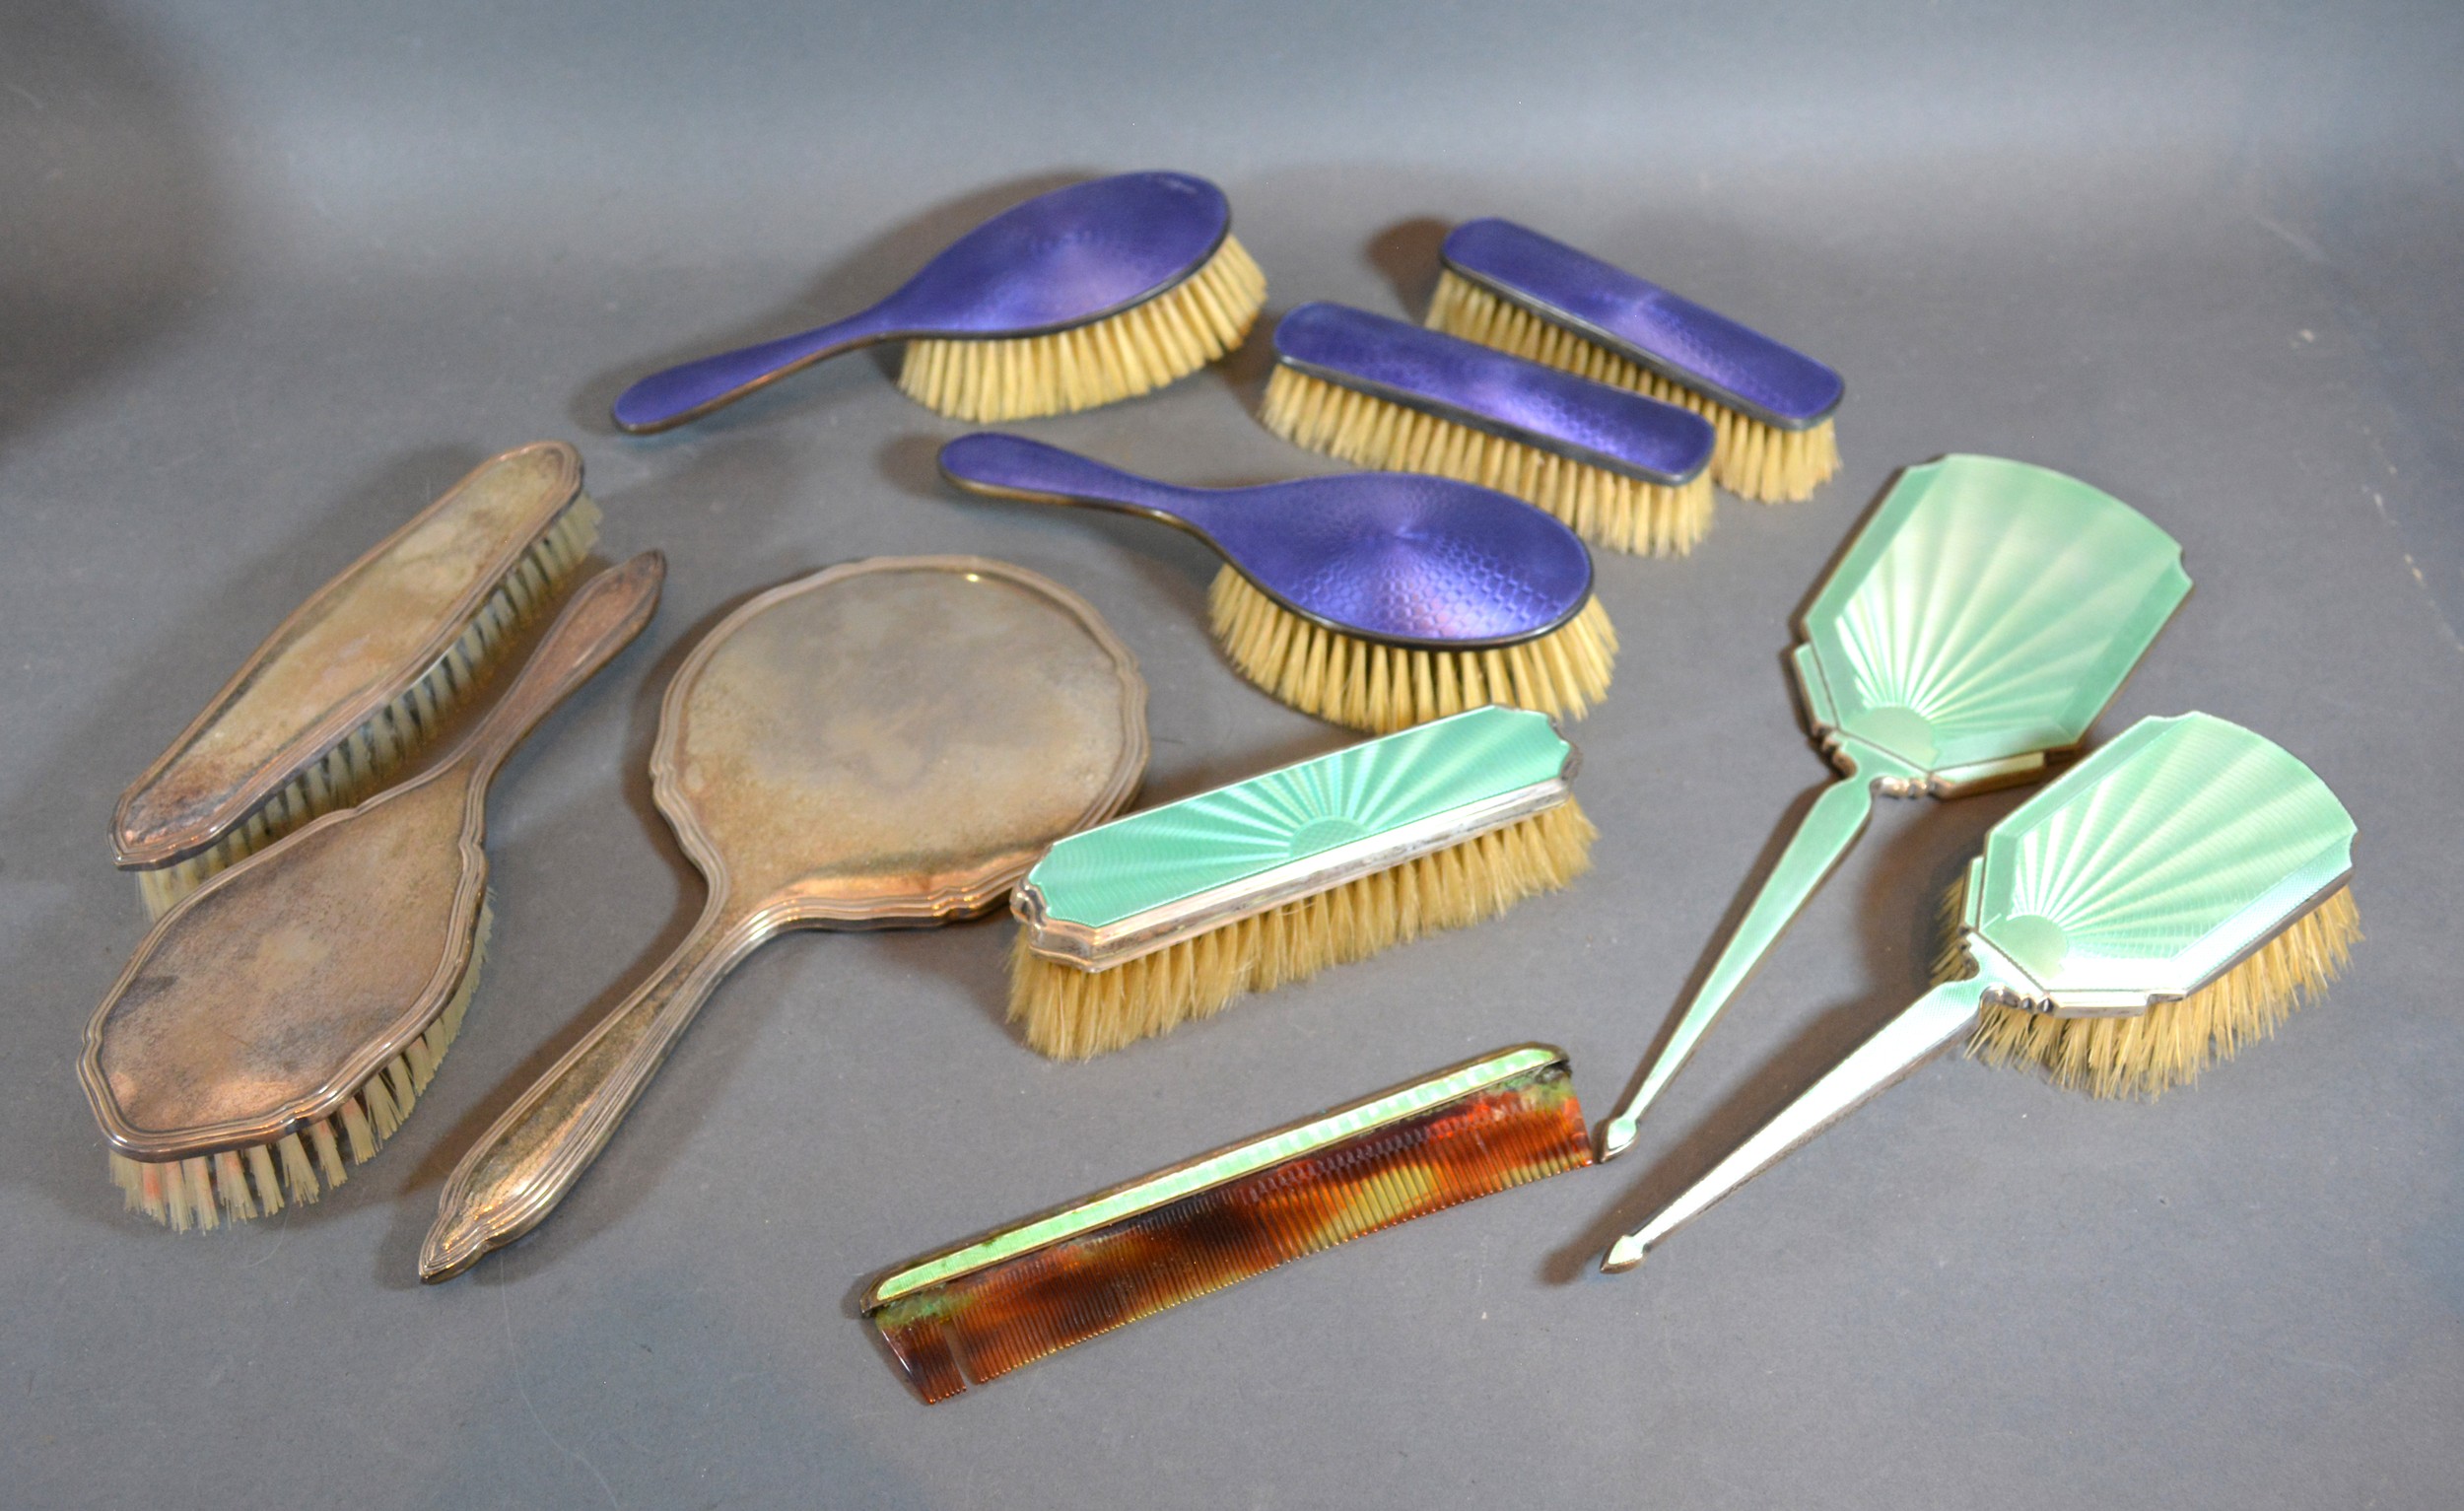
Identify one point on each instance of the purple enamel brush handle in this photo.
(1488, 391)
(1677, 338)
(1397, 557)
(1065, 258)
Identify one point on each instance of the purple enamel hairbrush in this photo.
(1092, 293)
(1374, 599)
(1623, 470)
(1512, 287)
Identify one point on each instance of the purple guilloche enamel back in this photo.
(1488, 391)
(1392, 556)
(1675, 337)
(1061, 259)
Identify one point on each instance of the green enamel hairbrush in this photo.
(1976, 625)
(2171, 898)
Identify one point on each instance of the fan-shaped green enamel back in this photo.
(1987, 611)
(1176, 851)
(2157, 862)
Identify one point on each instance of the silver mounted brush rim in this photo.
(1100, 947)
(2012, 985)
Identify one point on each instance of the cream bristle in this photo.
(1071, 1014)
(1380, 687)
(375, 753)
(1606, 508)
(258, 1179)
(2171, 1043)
(1750, 459)
(1143, 347)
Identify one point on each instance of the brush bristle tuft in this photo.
(1358, 682)
(1118, 357)
(377, 751)
(1608, 508)
(2171, 1043)
(235, 1185)
(1951, 957)
(1752, 459)
(1074, 1014)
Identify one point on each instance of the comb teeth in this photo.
(234, 1186)
(986, 1322)
(374, 754)
(1604, 507)
(1118, 357)
(1750, 459)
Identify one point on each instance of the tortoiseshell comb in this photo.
(983, 1308)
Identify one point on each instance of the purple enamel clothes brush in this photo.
(1092, 293)
(1374, 599)
(1512, 287)
(1627, 471)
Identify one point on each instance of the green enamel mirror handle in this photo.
(1838, 815)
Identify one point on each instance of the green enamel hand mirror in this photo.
(1978, 624)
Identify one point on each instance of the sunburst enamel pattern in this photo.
(1985, 614)
(2170, 899)
(1140, 882)
(2156, 865)
(1980, 620)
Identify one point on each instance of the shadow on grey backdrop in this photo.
(113, 222)
(1406, 252)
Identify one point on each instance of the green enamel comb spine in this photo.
(979, 1309)
(2190, 868)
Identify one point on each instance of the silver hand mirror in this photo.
(885, 743)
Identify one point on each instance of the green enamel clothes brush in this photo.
(362, 675)
(978, 1310)
(1976, 625)
(2171, 898)
(1512, 287)
(1136, 926)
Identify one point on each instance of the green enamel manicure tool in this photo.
(1978, 624)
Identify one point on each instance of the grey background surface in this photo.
(271, 276)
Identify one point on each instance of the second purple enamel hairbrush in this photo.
(1505, 286)
(1374, 599)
